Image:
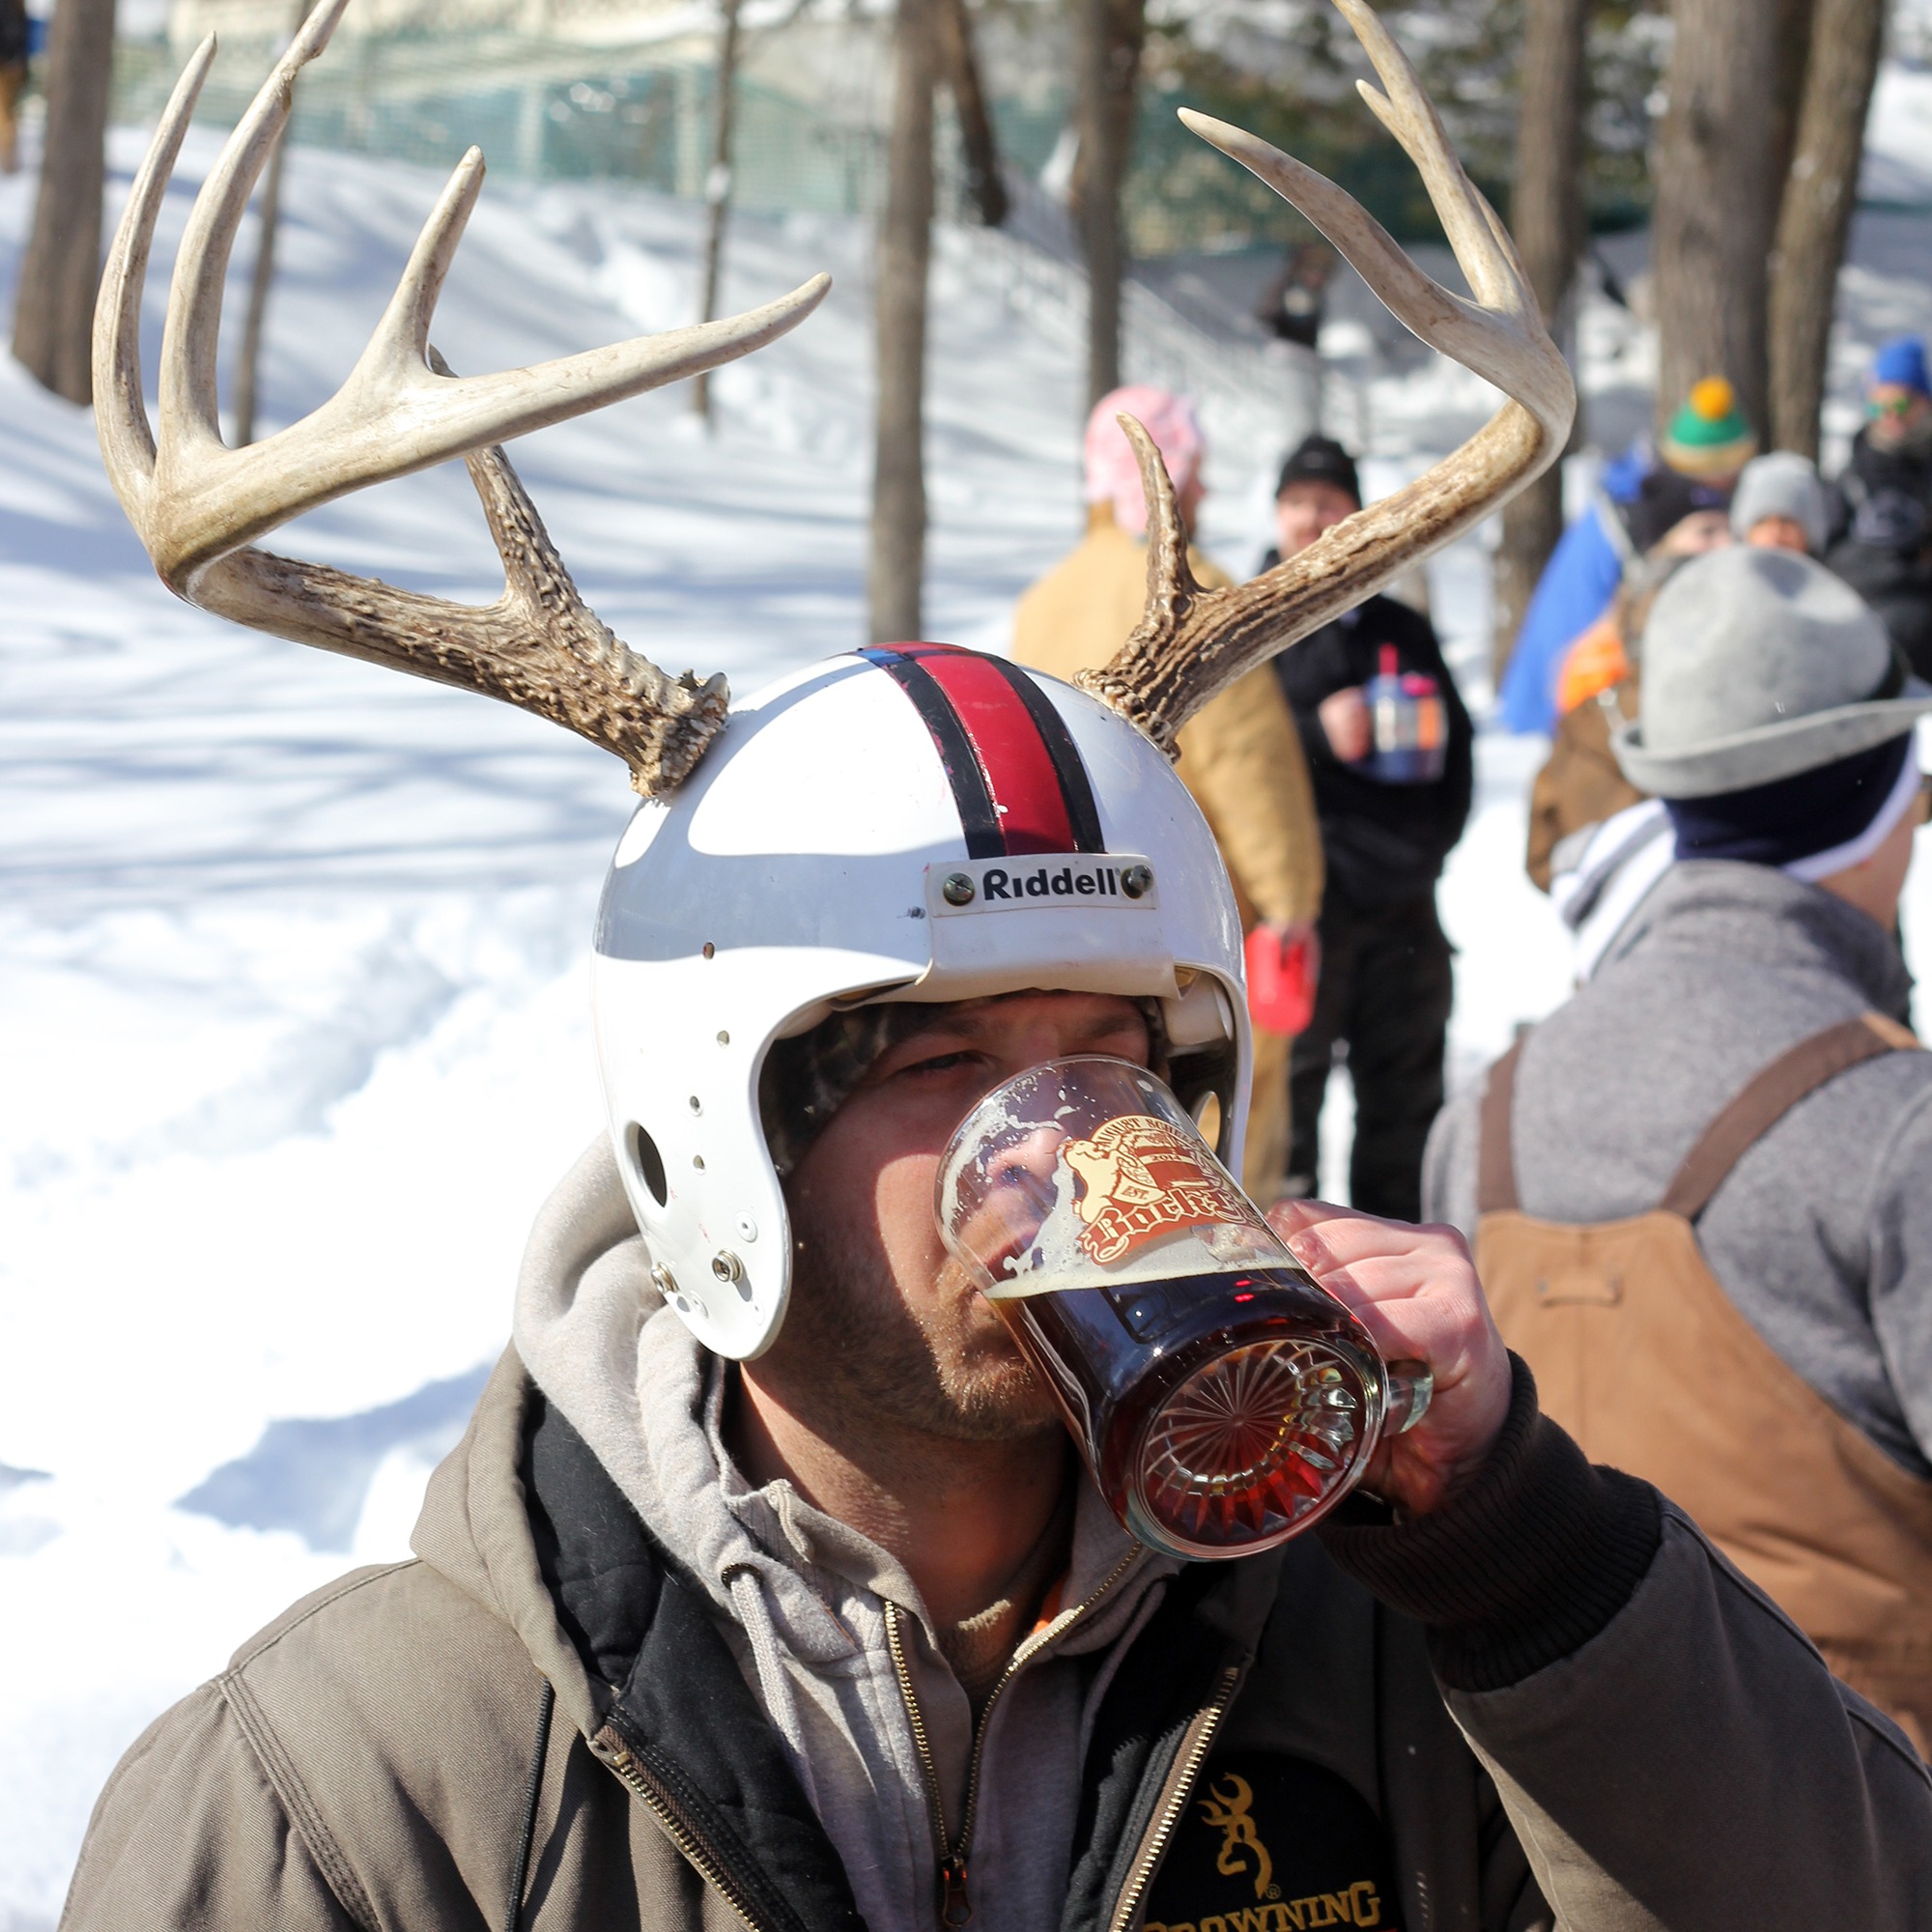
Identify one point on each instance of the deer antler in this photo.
(1193, 643)
(198, 505)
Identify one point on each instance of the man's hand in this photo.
(1296, 932)
(1345, 720)
(1415, 1290)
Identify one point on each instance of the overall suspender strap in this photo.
(1496, 1151)
(1770, 1096)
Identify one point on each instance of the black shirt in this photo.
(1382, 843)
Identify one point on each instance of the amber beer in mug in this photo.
(1222, 1399)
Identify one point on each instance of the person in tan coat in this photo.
(1241, 755)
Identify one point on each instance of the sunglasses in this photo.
(1890, 405)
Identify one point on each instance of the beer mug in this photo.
(1222, 1399)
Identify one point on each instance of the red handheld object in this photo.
(1281, 982)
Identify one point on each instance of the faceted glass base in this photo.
(1251, 1445)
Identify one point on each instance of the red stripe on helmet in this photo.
(1019, 771)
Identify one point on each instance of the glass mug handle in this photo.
(1410, 1389)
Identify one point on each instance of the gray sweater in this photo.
(1822, 1237)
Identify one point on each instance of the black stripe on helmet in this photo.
(981, 823)
(1076, 788)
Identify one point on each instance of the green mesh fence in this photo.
(546, 109)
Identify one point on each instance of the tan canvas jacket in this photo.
(385, 1754)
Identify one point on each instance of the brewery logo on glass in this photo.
(1142, 1180)
(1271, 1844)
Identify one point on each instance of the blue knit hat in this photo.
(1902, 362)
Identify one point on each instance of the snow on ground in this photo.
(292, 951)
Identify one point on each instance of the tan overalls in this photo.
(1640, 1354)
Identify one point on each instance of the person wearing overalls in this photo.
(1701, 1191)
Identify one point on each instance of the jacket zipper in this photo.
(1180, 1788)
(678, 1828)
(955, 1907)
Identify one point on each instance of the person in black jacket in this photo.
(1386, 984)
(1893, 451)
(1882, 543)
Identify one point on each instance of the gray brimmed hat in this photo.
(1759, 665)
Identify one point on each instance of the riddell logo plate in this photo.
(1119, 881)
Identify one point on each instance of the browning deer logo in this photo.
(1142, 1180)
(1229, 1813)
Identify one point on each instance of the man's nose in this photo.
(1039, 1041)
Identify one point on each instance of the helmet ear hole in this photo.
(1203, 1079)
(648, 1163)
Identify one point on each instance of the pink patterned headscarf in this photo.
(1113, 476)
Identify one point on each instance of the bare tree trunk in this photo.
(717, 189)
(1820, 194)
(1110, 37)
(1715, 212)
(1790, 23)
(1547, 218)
(904, 250)
(986, 186)
(53, 316)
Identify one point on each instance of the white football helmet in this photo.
(913, 822)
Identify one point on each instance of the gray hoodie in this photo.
(1822, 1237)
(801, 1598)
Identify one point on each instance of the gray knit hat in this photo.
(1781, 484)
(1759, 665)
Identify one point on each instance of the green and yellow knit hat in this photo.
(1710, 435)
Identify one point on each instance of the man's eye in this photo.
(941, 1063)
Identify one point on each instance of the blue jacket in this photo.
(1576, 589)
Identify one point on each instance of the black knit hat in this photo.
(1321, 459)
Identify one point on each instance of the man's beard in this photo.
(852, 1349)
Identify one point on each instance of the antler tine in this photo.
(1171, 666)
(120, 409)
(1172, 587)
(193, 329)
(1407, 112)
(197, 505)
(401, 339)
(390, 416)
